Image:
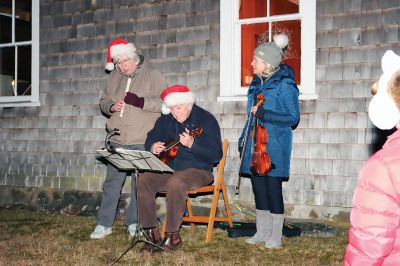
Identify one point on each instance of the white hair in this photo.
(128, 49)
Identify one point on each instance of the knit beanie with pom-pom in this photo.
(271, 52)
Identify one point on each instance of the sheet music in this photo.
(135, 160)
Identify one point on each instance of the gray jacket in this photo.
(146, 82)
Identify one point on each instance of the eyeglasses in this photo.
(120, 63)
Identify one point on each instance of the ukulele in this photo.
(172, 147)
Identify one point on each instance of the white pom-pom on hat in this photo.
(390, 62)
(109, 66)
(272, 52)
(281, 40)
(382, 110)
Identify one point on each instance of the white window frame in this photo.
(230, 48)
(33, 99)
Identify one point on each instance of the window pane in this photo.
(250, 35)
(253, 32)
(5, 21)
(23, 20)
(7, 65)
(293, 54)
(283, 7)
(252, 8)
(24, 70)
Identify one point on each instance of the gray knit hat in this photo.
(271, 52)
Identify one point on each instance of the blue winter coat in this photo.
(281, 113)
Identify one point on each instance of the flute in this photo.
(121, 114)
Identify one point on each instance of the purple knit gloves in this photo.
(133, 99)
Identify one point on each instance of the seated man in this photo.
(193, 163)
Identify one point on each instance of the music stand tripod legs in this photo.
(140, 234)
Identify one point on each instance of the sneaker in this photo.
(132, 229)
(100, 232)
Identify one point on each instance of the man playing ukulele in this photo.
(193, 163)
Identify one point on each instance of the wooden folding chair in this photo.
(217, 187)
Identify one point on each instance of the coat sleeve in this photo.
(287, 110)
(155, 134)
(153, 103)
(106, 101)
(374, 217)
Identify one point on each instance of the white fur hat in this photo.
(175, 95)
(382, 110)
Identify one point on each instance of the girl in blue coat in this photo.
(278, 114)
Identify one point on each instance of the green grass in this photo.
(37, 238)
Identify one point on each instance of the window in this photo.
(19, 53)
(245, 22)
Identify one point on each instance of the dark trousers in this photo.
(176, 185)
(112, 188)
(268, 193)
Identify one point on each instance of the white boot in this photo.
(263, 226)
(275, 241)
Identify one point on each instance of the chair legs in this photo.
(210, 219)
(213, 210)
(219, 186)
(164, 225)
(190, 213)
(226, 203)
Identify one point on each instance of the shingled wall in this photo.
(52, 146)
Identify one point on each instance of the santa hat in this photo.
(175, 95)
(382, 110)
(116, 48)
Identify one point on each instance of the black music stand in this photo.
(135, 161)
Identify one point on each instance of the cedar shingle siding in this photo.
(51, 147)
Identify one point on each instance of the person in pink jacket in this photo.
(374, 236)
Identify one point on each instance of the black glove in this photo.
(133, 99)
(260, 113)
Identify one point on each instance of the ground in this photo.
(42, 238)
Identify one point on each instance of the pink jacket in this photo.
(374, 236)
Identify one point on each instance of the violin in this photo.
(172, 148)
(260, 159)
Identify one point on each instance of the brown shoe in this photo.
(171, 241)
(154, 236)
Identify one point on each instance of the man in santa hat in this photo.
(131, 103)
(193, 164)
